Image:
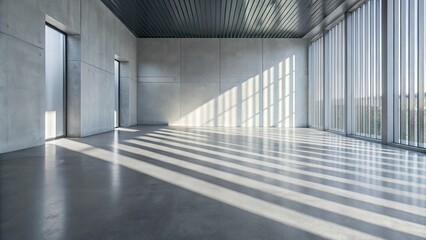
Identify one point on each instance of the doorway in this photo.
(117, 93)
(55, 83)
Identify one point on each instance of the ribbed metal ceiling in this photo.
(221, 18)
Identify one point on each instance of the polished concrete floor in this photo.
(213, 183)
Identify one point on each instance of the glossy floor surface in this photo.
(213, 183)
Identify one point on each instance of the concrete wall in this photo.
(103, 37)
(95, 38)
(222, 82)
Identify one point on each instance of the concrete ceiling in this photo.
(221, 18)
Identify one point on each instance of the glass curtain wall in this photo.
(335, 78)
(364, 67)
(316, 82)
(408, 71)
(363, 36)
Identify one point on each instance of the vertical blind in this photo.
(316, 82)
(408, 71)
(365, 63)
(362, 33)
(335, 78)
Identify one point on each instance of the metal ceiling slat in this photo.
(237, 10)
(319, 17)
(192, 11)
(221, 18)
(262, 14)
(240, 8)
(245, 19)
(139, 22)
(223, 11)
(172, 30)
(180, 18)
(214, 18)
(154, 26)
(162, 23)
(190, 22)
(266, 16)
(229, 22)
(200, 14)
(158, 25)
(177, 13)
(274, 32)
(249, 18)
(218, 17)
(210, 8)
(130, 21)
(223, 24)
(292, 24)
(287, 22)
(172, 14)
(183, 16)
(111, 5)
(271, 17)
(207, 16)
(212, 11)
(292, 27)
(253, 19)
(258, 18)
(232, 16)
(272, 14)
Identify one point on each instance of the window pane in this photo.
(365, 70)
(117, 93)
(409, 64)
(55, 55)
(335, 78)
(316, 82)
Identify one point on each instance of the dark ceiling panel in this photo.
(221, 18)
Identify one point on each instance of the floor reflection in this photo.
(213, 183)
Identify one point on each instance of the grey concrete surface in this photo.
(97, 101)
(21, 94)
(97, 44)
(95, 38)
(240, 59)
(65, 13)
(287, 61)
(240, 104)
(158, 103)
(212, 183)
(158, 60)
(133, 103)
(198, 104)
(200, 60)
(252, 91)
(104, 38)
(128, 100)
(73, 98)
(23, 20)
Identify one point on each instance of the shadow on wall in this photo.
(268, 102)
